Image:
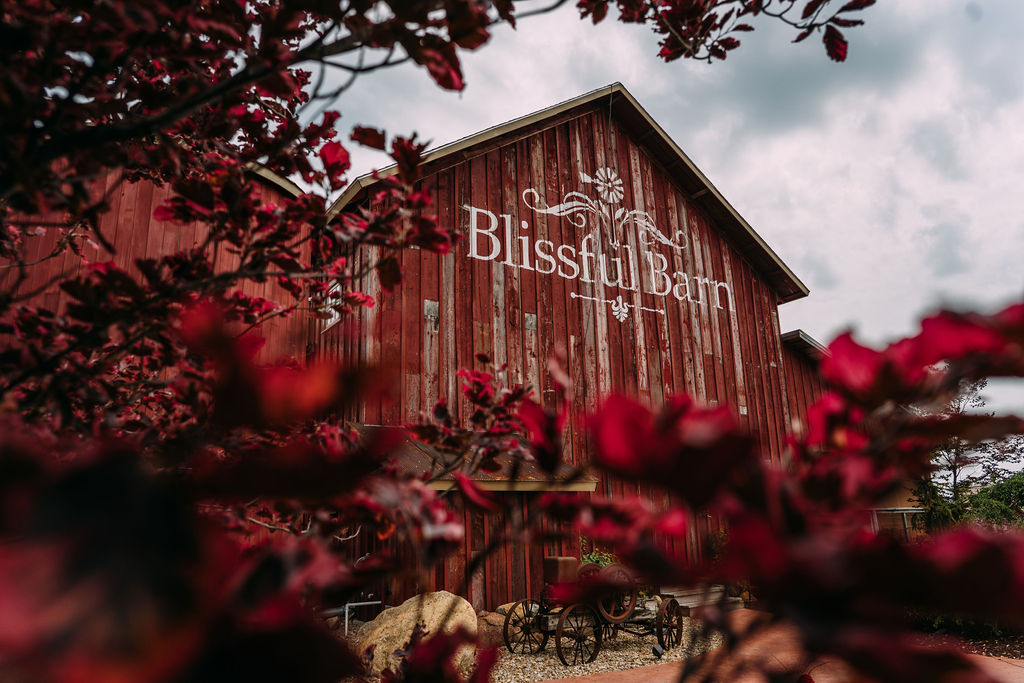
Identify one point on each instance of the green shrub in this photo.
(595, 554)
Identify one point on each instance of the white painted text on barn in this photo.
(603, 257)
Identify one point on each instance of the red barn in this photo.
(586, 231)
(133, 232)
(801, 355)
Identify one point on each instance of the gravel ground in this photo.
(980, 638)
(624, 651)
(1009, 646)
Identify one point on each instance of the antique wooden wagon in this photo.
(579, 628)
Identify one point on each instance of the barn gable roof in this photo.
(645, 130)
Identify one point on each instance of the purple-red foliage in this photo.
(171, 508)
(798, 531)
(109, 571)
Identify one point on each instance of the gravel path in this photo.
(625, 651)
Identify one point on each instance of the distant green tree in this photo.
(1000, 503)
(991, 511)
(959, 465)
(938, 512)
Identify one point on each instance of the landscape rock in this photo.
(489, 629)
(503, 609)
(391, 630)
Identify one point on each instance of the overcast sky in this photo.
(890, 184)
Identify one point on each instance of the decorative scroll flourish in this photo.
(576, 206)
(620, 307)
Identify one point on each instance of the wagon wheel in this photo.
(523, 631)
(618, 607)
(578, 636)
(670, 624)
(587, 571)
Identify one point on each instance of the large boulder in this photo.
(503, 609)
(390, 632)
(490, 628)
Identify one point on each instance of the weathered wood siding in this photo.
(129, 227)
(511, 572)
(803, 380)
(449, 308)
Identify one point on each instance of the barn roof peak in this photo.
(627, 111)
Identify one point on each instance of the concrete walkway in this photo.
(777, 649)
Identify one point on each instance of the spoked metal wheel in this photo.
(522, 630)
(670, 624)
(618, 607)
(578, 636)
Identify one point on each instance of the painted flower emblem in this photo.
(620, 309)
(609, 185)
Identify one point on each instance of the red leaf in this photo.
(471, 40)
(543, 432)
(163, 213)
(803, 34)
(408, 154)
(811, 8)
(288, 395)
(335, 159)
(390, 273)
(951, 336)
(1012, 317)
(855, 5)
(598, 11)
(443, 66)
(359, 299)
(850, 365)
(486, 658)
(689, 450)
(506, 10)
(369, 137)
(674, 522)
(426, 234)
(476, 496)
(835, 44)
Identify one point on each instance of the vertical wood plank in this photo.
(513, 306)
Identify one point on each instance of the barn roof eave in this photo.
(805, 344)
(629, 112)
(278, 181)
